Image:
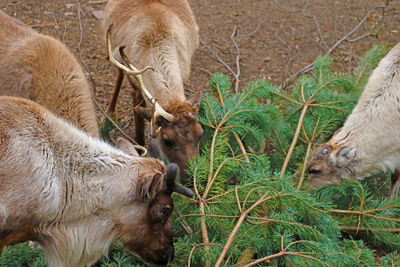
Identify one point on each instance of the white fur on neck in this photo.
(373, 127)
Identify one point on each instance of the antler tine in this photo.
(154, 131)
(159, 111)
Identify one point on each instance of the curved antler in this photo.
(131, 70)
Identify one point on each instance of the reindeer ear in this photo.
(145, 113)
(195, 100)
(170, 180)
(126, 146)
(346, 154)
(149, 184)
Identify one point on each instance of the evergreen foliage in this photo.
(244, 210)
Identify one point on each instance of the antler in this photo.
(131, 70)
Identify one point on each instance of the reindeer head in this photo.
(330, 164)
(146, 226)
(150, 234)
(179, 139)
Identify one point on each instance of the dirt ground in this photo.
(276, 38)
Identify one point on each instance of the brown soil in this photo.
(274, 41)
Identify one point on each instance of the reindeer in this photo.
(164, 35)
(42, 69)
(75, 194)
(369, 140)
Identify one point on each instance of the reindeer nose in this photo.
(314, 170)
(170, 255)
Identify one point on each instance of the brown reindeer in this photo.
(162, 34)
(75, 194)
(42, 69)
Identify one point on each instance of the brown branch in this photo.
(237, 74)
(197, 245)
(296, 135)
(284, 252)
(352, 228)
(241, 146)
(303, 171)
(42, 25)
(239, 224)
(220, 60)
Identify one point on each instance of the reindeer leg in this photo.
(394, 190)
(112, 109)
(139, 121)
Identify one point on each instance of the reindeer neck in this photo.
(165, 82)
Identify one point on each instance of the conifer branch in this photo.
(284, 252)
(239, 223)
(296, 135)
(309, 144)
(194, 246)
(241, 146)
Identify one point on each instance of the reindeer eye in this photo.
(168, 143)
(165, 211)
(325, 151)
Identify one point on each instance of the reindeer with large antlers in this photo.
(162, 34)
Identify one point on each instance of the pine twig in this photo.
(305, 105)
(309, 144)
(239, 223)
(284, 252)
(241, 146)
(297, 132)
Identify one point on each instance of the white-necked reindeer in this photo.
(369, 141)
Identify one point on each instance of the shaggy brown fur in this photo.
(42, 69)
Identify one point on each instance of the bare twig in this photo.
(330, 50)
(43, 25)
(220, 60)
(237, 59)
(217, 57)
(302, 11)
(294, 141)
(95, 2)
(89, 73)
